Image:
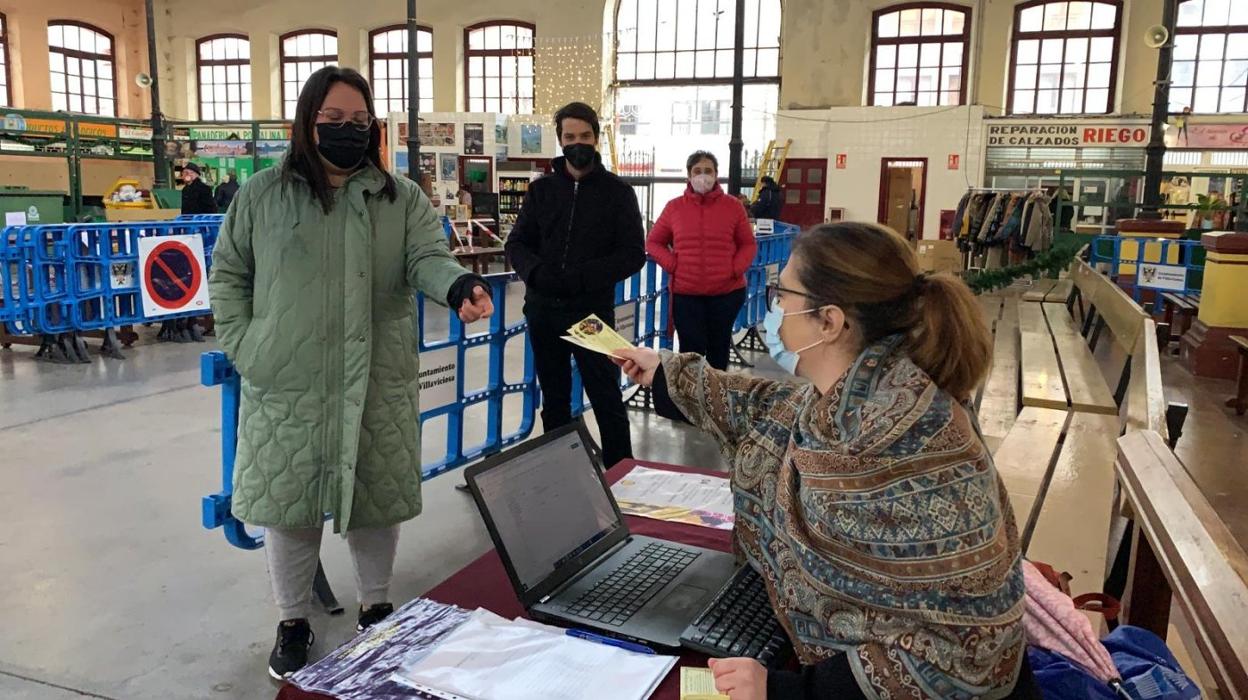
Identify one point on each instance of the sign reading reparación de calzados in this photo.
(1068, 134)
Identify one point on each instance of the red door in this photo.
(805, 191)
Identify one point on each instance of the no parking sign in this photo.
(173, 275)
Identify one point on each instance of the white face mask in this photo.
(702, 183)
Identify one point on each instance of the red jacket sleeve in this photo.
(659, 242)
(747, 247)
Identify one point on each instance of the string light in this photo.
(572, 66)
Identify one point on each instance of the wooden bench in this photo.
(1182, 552)
(1051, 291)
(998, 398)
(1058, 369)
(1187, 306)
(1240, 402)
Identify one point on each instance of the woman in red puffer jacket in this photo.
(705, 242)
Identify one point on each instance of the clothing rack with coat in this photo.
(1000, 225)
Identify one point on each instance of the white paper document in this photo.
(696, 499)
(490, 658)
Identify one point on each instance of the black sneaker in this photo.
(373, 615)
(290, 652)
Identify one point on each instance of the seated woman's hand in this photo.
(740, 679)
(639, 364)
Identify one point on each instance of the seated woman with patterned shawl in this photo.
(866, 497)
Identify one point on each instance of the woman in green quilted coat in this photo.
(311, 288)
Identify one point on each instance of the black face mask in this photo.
(344, 146)
(580, 155)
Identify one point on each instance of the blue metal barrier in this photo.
(1158, 265)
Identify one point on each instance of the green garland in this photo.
(1045, 264)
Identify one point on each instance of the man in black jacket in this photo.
(770, 200)
(226, 191)
(196, 194)
(578, 234)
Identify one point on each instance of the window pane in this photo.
(1208, 74)
(1055, 16)
(1104, 16)
(476, 39)
(951, 83)
(889, 25)
(884, 81)
(1050, 77)
(1217, 12)
(768, 62)
(1233, 99)
(1235, 72)
(1185, 46)
(1046, 101)
(1237, 46)
(1098, 75)
(1097, 102)
(953, 54)
(955, 22)
(1079, 17)
(1051, 51)
(1180, 98)
(911, 22)
(1184, 73)
(1206, 100)
(1190, 13)
(1029, 51)
(1025, 77)
(929, 55)
(1239, 14)
(1102, 50)
(886, 56)
(1212, 46)
(908, 56)
(932, 22)
(1076, 50)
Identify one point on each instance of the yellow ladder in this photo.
(609, 133)
(772, 166)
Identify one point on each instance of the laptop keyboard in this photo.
(624, 591)
(739, 622)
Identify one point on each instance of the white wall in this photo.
(867, 135)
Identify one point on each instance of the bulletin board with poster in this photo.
(218, 148)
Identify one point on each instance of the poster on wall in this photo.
(474, 139)
(429, 164)
(437, 134)
(501, 150)
(449, 170)
(530, 139)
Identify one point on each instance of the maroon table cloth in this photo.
(484, 583)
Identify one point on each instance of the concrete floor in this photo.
(112, 587)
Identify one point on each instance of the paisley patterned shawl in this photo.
(877, 519)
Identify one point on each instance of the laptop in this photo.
(570, 556)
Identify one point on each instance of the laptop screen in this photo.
(548, 505)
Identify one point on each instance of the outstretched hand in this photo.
(638, 363)
(478, 307)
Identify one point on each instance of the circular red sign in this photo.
(172, 275)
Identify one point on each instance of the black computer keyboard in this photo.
(624, 591)
(739, 622)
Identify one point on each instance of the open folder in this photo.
(490, 658)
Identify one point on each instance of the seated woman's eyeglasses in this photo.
(774, 291)
(361, 121)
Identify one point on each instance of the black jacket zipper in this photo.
(567, 241)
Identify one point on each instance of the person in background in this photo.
(226, 191)
(866, 498)
(770, 201)
(196, 194)
(704, 240)
(312, 287)
(578, 234)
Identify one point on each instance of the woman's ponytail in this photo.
(950, 341)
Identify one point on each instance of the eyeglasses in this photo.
(774, 291)
(361, 121)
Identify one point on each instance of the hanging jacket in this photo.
(317, 314)
(959, 214)
(1039, 234)
(704, 241)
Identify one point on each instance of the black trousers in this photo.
(552, 355)
(705, 324)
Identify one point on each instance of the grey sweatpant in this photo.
(292, 555)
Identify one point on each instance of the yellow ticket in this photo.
(593, 333)
(698, 684)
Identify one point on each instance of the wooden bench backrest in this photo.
(1145, 407)
(1205, 566)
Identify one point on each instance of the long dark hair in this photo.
(303, 159)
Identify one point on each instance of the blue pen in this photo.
(619, 643)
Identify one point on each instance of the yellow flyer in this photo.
(698, 684)
(594, 334)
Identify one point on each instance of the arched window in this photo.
(304, 53)
(387, 61)
(81, 61)
(224, 63)
(6, 97)
(680, 40)
(498, 75)
(1210, 71)
(673, 80)
(1064, 58)
(918, 54)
